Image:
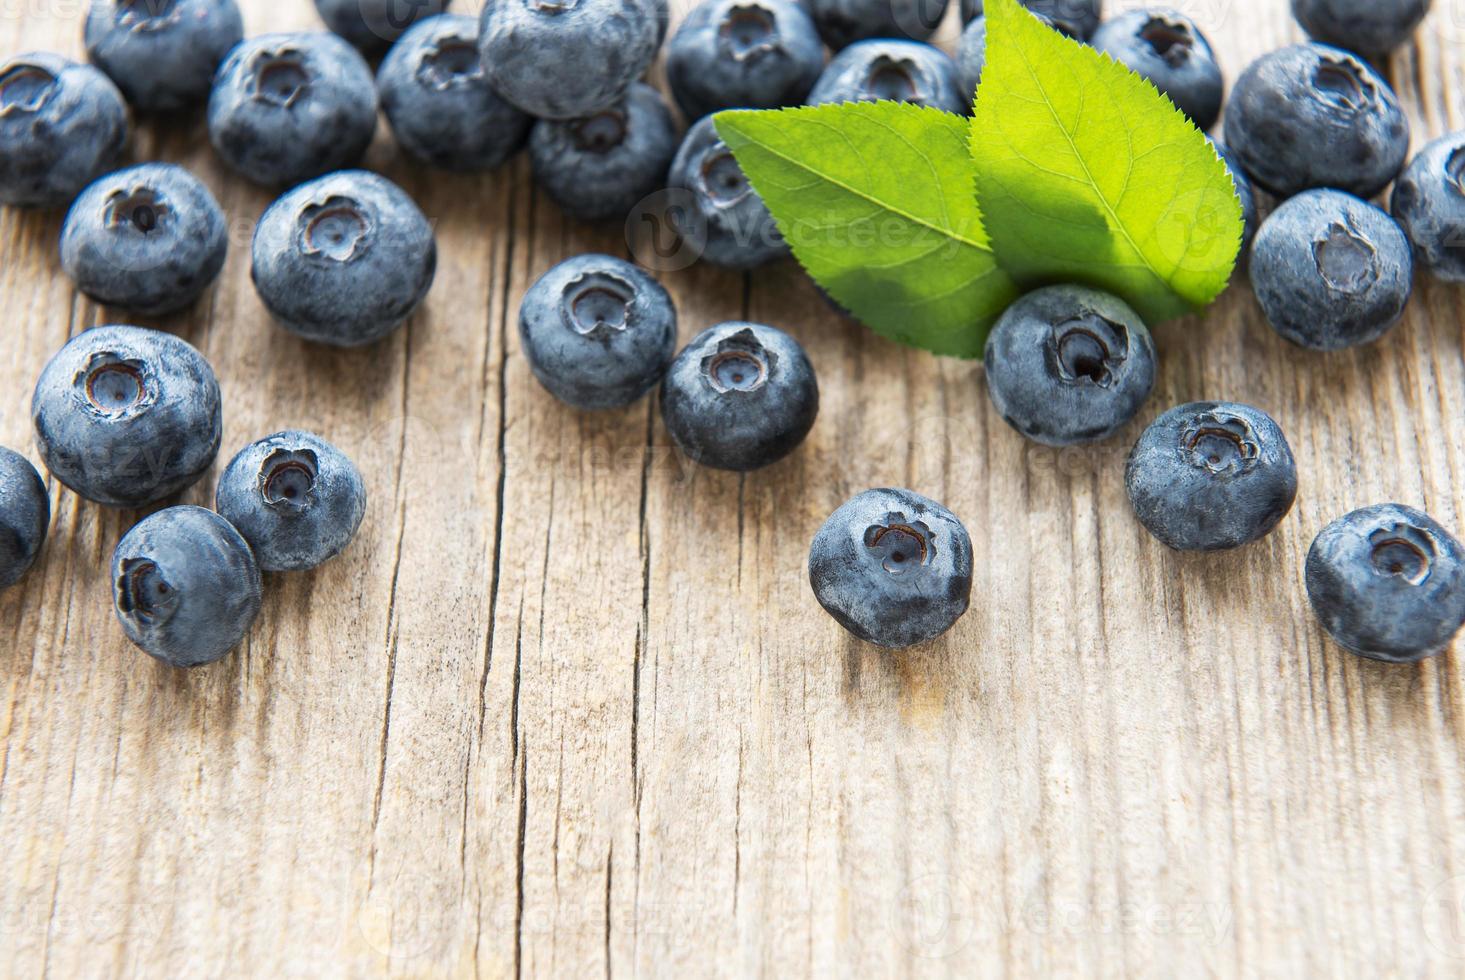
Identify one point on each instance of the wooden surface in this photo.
(567, 707)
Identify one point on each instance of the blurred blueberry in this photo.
(901, 71)
(1314, 116)
(185, 586)
(971, 57)
(61, 126)
(25, 514)
(1331, 271)
(1372, 27)
(373, 25)
(1388, 582)
(127, 417)
(599, 167)
(567, 59)
(1068, 365)
(1244, 194)
(344, 259)
(297, 500)
(843, 22)
(438, 101)
(730, 224)
(597, 331)
(1168, 49)
(162, 53)
(1076, 18)
(149, 239)
(740, 396)
(288, 107)
(892, 567)
(743, 54)
(1210, 476)
(1429, 204)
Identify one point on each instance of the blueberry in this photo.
(1387, 582)
(372, 25)
(1373, 27)
(1076, 18)
(1167, 48)
(25, 513)
(971, 57)
(1069, 364)
(162, 53)
(843, 22)
(345, 259)
(288, 107)
(597, 331)
(567, 59)
(1429, 204)
(1314, 116)
(1331, 271)
(893, 567)
(127, 417)
(437, 98)
(185, 586)
(1244, 194)
(740, 396)
(1209, 476)
(149, 239)
(62, 125)
(599, 167)
(297, 500)
(901, 71)
(743, 54)
(731, 225)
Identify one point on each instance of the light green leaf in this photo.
(1086, 173)
(876, 200)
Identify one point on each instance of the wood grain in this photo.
(568, 707)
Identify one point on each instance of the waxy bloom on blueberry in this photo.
(892, 567)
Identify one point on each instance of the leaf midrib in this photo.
(865, 196)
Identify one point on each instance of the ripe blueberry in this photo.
(843, 22)
(597, 331)
(892, 567)
(185, 586)
(25, 513)
(1168, 49)
(1373, 27)
(1076, 18)
(1388, 583)
(567, 59)
(1069, 364)
(1331, 271)
(438, 101)
(599, 167)
(373, 25)
(1314, 116)
(743, 54)
(288, 107)
(345, 259)
(61, 126)
(162, 53)
(731, 225)
(1429, 204)
(900, 71)
(1244, 194)
(297, 500)
(127, 417)
(149, 239)
(1209, 476)
(740, 396)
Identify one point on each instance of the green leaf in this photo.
(1086, 173)
(876, 200)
